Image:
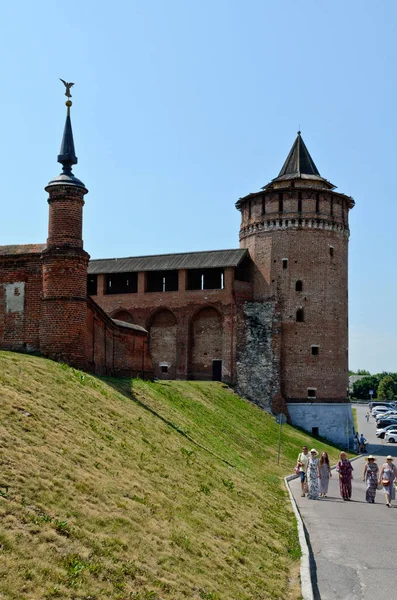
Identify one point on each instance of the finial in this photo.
(299, 130)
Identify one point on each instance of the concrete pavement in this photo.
(352, 543)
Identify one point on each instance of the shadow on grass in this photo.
(122, 385)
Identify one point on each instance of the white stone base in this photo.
(334, 421)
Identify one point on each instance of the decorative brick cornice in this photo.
(281, 224)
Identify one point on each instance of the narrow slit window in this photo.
(317, 202)
(331, 251)
(249, 209)
(298, 286)
(311, 392)
(300, 316)
(332, 207)
(285, 263)
(280, 202)
(315, 350)
(263, 205)
(299, 201)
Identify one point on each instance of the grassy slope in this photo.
(108, 499)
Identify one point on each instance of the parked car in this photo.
(379, 409)
(387, 415)
(380, 432)
(372, 405)
(391, 436)
(385, 422)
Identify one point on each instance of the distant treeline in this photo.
(383, 385)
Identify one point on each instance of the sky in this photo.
(180, 107)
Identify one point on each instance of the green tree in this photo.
(362, 387)
(387, 389)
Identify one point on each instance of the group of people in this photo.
(315, 474)
(360, 443)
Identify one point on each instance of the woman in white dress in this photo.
(312, 475)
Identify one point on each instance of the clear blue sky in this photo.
(181, 107)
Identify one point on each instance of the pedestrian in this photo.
(363, 443)
(345, 471)
(313, 475)
(356, 443)
(370, 476)
(367, 416)
(325, 474)
(303, 459)
(387, 477)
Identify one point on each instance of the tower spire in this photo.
(67, 155)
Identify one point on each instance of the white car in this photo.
(381, 431)
(379, 409)
(391, 436)
(388, 415)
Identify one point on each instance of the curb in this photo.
(305, 572)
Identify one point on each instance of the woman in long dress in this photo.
(345, 470)
(312, 475)
(370, 476)
(387, 477)
(325, 474)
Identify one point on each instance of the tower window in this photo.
(317, 202)
(315, 350)
(299, 201)
(92, 285)
(311, 392)
(300, 316)
(249, 209)
(285, 263)
(332, 207)
(263, 205)
(331, 251)
(280, 202)
(298, 286)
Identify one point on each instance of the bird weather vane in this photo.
(67, 86)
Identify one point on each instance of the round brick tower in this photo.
(63, 328)
(296, 230)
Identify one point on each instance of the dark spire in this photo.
(299, 162)
(67, 155)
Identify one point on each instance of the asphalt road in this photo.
(352, 543)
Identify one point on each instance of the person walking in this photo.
(313, 475)
(363, 444)
(303, 459)
(370, 476)
(387, 477)
(345, 471)
(325, 474)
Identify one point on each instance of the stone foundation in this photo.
(333, 421)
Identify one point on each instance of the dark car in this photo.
(372, 405)
(382, 423)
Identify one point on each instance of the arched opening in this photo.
(206, 335)
(123, 315)
(162, 344)
(298, 286)
(300, 316)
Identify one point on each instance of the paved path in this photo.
(352, 543)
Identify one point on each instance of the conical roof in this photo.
(299, 161)
(67, 156)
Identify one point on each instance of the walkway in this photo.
(352, 542)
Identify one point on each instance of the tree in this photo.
(360, 372)
(362, 387)
(387, 389)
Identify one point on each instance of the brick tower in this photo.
(64, 302)
(296, 230)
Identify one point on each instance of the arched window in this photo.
(300, 317)
(298, 286)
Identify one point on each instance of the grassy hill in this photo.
(124, 489)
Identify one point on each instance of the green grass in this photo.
(124, 489)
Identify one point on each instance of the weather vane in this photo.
(67, 86)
